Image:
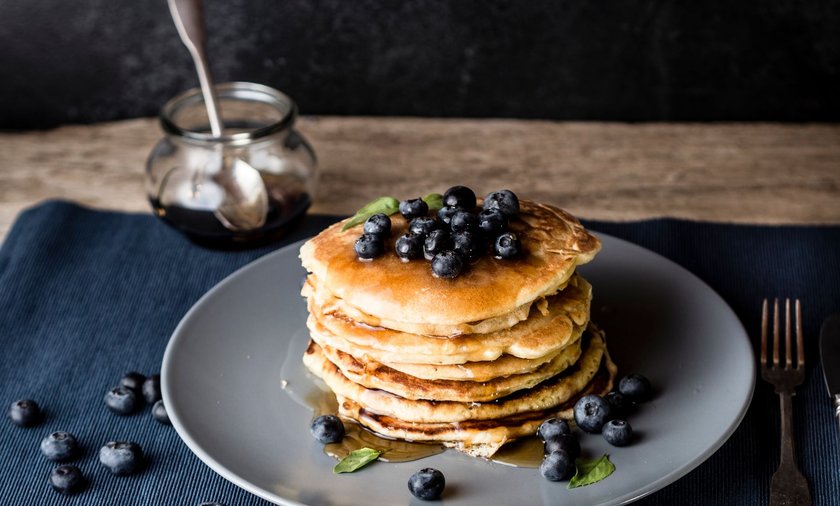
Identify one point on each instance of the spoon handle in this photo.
(189, 20)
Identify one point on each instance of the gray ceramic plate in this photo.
(224, 365)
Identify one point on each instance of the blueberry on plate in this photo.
(409, 246)
(463, 221)
(492, 222)
(459, 196)
(617, 432)
(427, 484)
(557, 466)
(122, 401)
(133, 381)
(636, 387)
(327, 429)
(121, 457)
(378, 224)
(25, 413)
(437, 241)
(444, 214)
(447, 264)
(59, 446)
(552, 428)
(507, 246)
(591, 413)
(67, 480)
(159, 413)
(620, 404)
(413, 208)
(504, 200)
(151, 389)
(369, 246)
(567, 442)
(468, 244)
(422, 225)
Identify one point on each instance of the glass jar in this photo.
(247, 186)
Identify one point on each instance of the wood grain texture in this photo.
(756, 173)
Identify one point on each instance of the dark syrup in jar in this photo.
(202, 226)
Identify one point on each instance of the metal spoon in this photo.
(245, 205)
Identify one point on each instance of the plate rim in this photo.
(239, 481)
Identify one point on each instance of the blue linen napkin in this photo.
(86, 296)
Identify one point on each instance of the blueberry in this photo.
(437, 241)
(409, 246)
(617, 432)
(67, 480)
(620, 404)
(369, 246)
(378, 224)
(459, 196)
(327, 429)
(492, 222)
(507, 246)
(25, 413)
(413, 208)
(59, 446)
(504, 200)
(552, 428)
(557, 466)
(591, 413)
(427, 484)
(468, 244)
(151, 389)
(133, 381)
(121, 457)
(159, 413)
(422, 225)
(463, 221)
(566, 442)
(636, 387)
(445, 214)
(447, 264)
(122, 401)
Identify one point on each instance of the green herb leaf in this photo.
(434, 201)
(588, 472)
(356, 460)
(384, 205)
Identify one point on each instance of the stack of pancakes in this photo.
(471, 362)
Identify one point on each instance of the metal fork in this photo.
(788, 486)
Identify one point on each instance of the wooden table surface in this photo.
(747, 173)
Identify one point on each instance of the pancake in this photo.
(549, 327)
(479, 438)
(553, 242)
(330, 304)
(373, 375)
(546, 395)
(474, 371)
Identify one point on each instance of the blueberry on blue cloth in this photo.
(121, 457)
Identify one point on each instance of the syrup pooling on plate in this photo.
(307, 391)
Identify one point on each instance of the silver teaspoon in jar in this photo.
(244, 205)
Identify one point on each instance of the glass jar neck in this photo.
(250, 112)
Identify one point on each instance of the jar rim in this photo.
(238, 90)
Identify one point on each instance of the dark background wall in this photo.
(626, 60)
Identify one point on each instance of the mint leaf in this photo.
(588, 472)
(384, 205)
(434, 201)
(357, 459)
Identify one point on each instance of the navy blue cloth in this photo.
(86, 296)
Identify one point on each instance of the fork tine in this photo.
(788, 347)
(800, 341)
(764, 333)
(776, 332)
